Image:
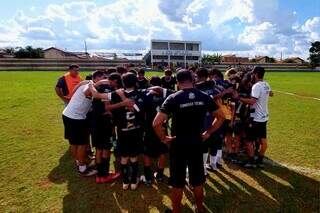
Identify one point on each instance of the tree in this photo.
(9, 50)
(211, 59)
(29, 52)
(314, 52)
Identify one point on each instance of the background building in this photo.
(234, 59)
(178, 53)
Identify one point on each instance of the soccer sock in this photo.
(160, 172)
(100, 169)
(260, 159)
(106, 165)
(134, 174)
(125, 173)
(219, 155)
(82, 168)
(147, 172)
(213, 160)
(205, 158)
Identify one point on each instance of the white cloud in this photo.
(242, 26)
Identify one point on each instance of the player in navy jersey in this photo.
(102, 128)
(153, 147)
(143, 82)
(168, 81)
(189, 107)
(208, 87)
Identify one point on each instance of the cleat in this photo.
(88, 172)
(125, 186)
(134, 186)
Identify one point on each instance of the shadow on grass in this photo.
(231, 189)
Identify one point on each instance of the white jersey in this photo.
(79, 105)
(260, 91)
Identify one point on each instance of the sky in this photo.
(242, 27)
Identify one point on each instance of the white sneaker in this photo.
(125, 186)
(134, 186)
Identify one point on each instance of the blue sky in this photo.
(243, 27)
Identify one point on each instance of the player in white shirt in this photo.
(76, 126)
(260, 93)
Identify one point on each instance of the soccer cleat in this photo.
(125, 186)
(88, 172)
(211, 167)
(114, 176)
(158, 177)
(98, 180)
(249, 165)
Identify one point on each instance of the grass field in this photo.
(37, 173)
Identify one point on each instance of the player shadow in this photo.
(84, 195)
(273, 189)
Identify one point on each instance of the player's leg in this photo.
(125, 170)
(160, 167)
(147, 169)
(134, 172)
(263, 143)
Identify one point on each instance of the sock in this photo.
(82, 168)
(260, 159)
(99, 169)
(134, 174)
(205, 158)
(147, 172)
(106, 165)
(125, 173)
(219, 156)
(213, 160)
(160, 172)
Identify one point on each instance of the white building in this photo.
(179, 53)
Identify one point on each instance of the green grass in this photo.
(37, 173)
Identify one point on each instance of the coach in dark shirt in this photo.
(188, 107)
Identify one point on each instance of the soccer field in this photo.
(37, 173)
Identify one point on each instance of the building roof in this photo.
(66, 53)
(175, 41)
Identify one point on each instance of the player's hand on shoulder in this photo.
(205, 136)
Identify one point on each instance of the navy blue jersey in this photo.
(142, 83)
(63, 85)
(153, 103)
(242, 111)
(168, 82)
(127, 120)
(188, 108)
(98, 107)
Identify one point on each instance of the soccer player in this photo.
(153, 147)
(207, 86)
(143, 82)
(168, 81)
(260, 93)
(189, 107)
(129, 122)
(102, 129)
(66, 84)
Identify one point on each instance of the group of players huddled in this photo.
(139, 119)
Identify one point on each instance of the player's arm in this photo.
(79, 85)
(60, 94)
(219, 118)
(159, 128)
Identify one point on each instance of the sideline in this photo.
(300, 96)
(301, 169)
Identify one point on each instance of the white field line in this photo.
(300, 96)
(302, 169)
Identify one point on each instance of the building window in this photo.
(163, 57)
(176, 46)
(192, 47)
(159, 45)
(175, 57)
(194, 58)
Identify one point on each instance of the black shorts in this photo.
(102, 133)
(76, 131)
(238, 127)
(183, 157)
(256, 130)
(228, 127)
(152, 146)
(129, 143)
